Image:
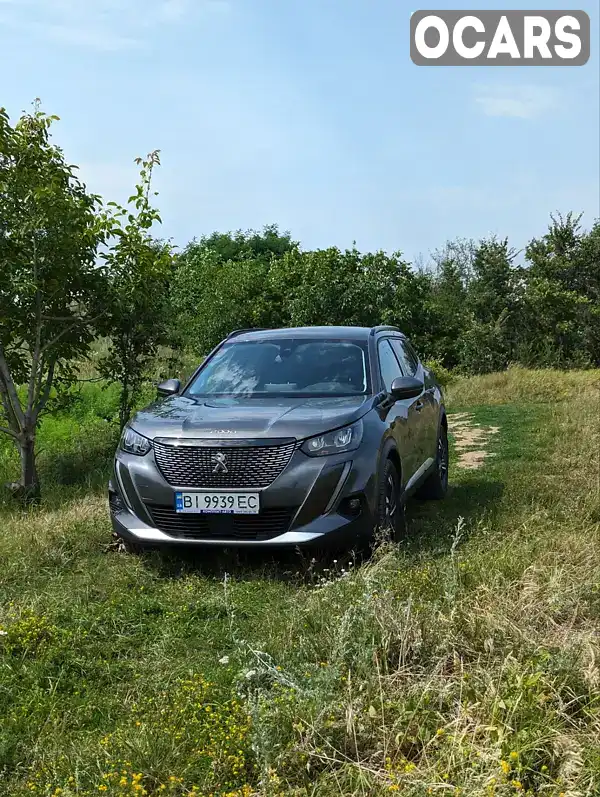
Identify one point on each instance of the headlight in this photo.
(134, 443)
(338, 442)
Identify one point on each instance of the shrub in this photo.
(442, 374)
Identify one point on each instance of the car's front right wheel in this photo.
(390, 521)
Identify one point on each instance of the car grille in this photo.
(193, 466)
(268, 524)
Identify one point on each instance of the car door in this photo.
(429, 413)
(404, 416)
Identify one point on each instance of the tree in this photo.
(490, 292)
(561, 302)
(212, 297)
(252, 245)
(326, 286)
(461, 253)
(588, 280)
(491, 300)
(138, 269)
(49, 283)
(449, 313)
(319, 287)
(330, 286)
(221, 283)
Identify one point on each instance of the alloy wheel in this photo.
(391, 500)
(443, 458)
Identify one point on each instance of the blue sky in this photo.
(309, 114)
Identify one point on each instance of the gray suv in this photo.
(284, 437)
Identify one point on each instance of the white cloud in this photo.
(520, 102)
(102, 24)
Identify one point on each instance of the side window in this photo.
(408, 359)
(388, 364)
(412, 354)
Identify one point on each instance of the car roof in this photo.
(338, 332)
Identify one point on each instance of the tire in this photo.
(435, 487)
(390, 523)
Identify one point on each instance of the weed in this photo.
(463, 662)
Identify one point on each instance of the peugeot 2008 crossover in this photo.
(284, 437)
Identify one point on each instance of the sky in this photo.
(308, 114)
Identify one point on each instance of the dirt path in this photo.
(471, 440)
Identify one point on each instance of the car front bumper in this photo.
(314, 491)
(334, 531)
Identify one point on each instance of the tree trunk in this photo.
(29, 488)
(125, 404)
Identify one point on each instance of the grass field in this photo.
(466, 661)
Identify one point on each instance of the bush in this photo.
(444, 375)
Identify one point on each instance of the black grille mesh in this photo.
(270, 523)
(192, 466)
(115, 503)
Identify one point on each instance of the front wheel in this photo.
(390, 522)
(436, 485)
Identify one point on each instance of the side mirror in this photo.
(169, 387)
(406, 387)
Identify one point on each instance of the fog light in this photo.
(115, 503)
(351, 507)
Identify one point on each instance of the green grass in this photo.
(465, 661)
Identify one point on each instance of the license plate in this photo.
(218, 503)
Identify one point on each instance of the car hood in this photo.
(244, 418)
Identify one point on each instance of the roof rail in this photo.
(241, 331)
(384, 328)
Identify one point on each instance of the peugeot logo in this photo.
(219, 460)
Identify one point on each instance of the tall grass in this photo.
(465, 661)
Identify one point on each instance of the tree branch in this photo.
(9, 388)
(57, 337)
(36, 356)
(45, 395)
(9, 432)
(8, 412)
(61, 318)
(16, 345)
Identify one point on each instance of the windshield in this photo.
(286, 367)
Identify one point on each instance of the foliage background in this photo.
(473, 306)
